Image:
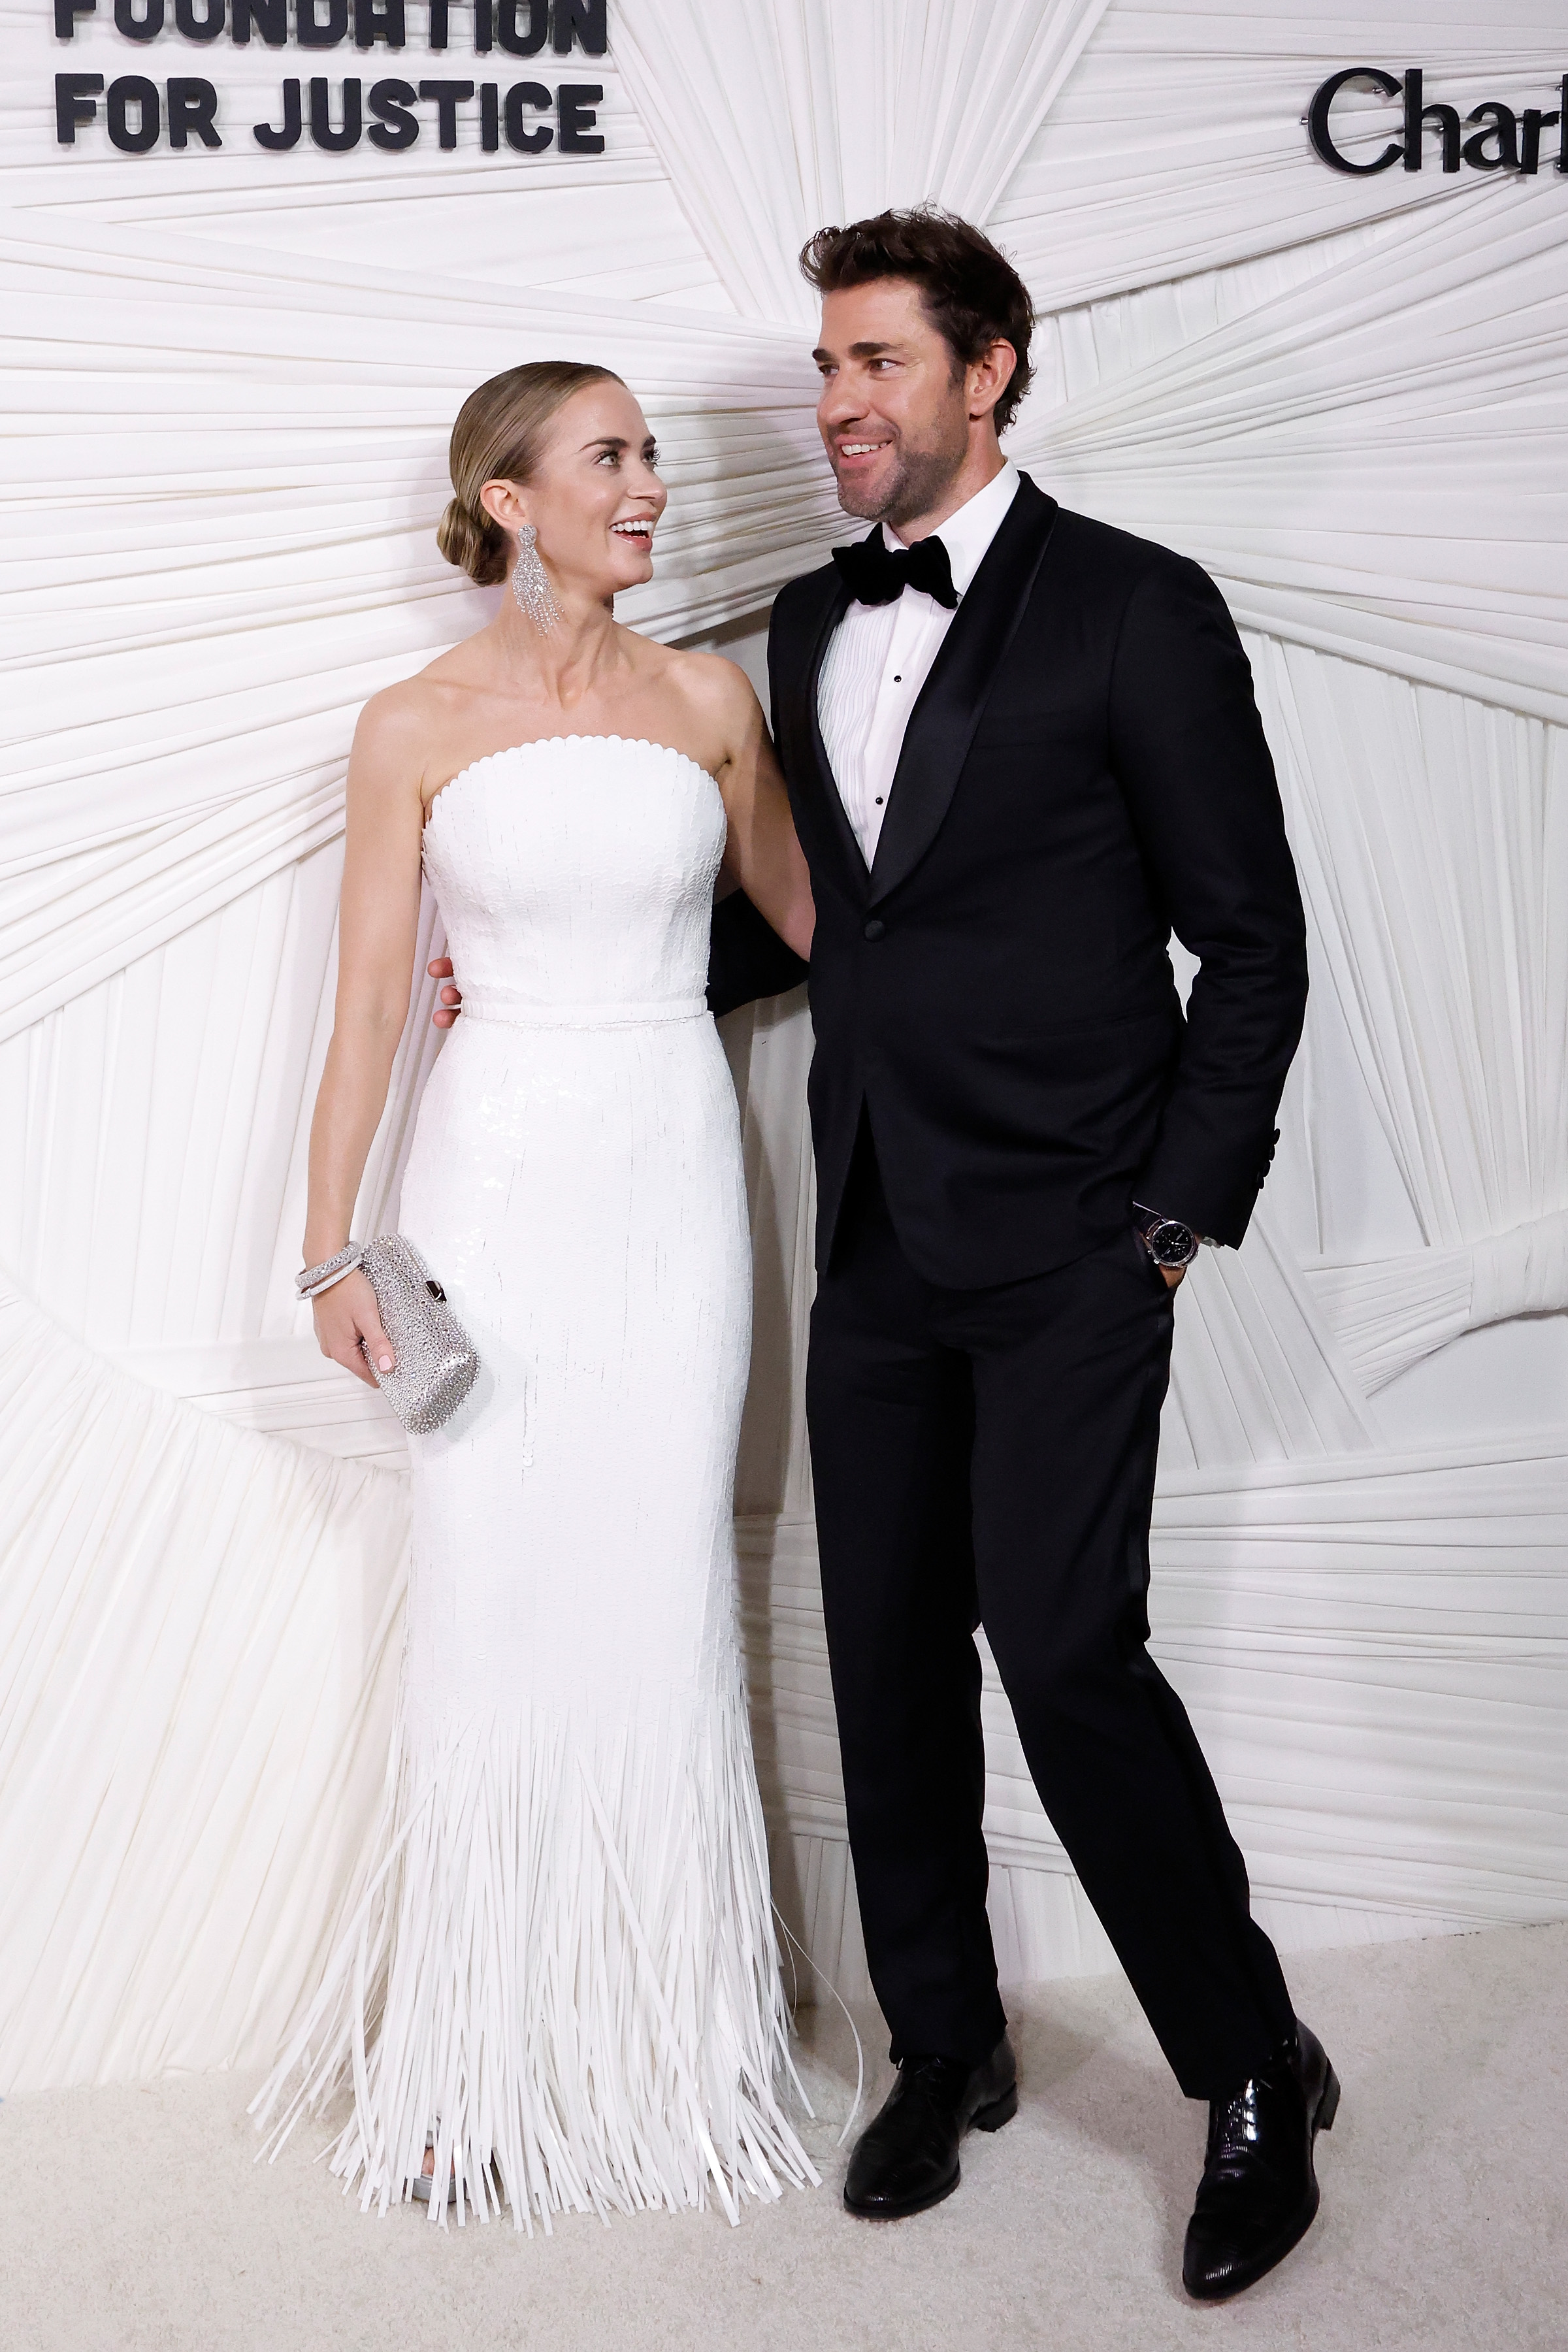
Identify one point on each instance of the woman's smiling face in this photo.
(594, 498)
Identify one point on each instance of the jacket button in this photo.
(874, 929)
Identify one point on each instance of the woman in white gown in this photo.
(560, 1991)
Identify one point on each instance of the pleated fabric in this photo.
(184, 1784)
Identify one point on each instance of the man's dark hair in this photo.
(972, 295)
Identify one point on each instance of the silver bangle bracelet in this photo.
(318, 1289)
(317, 1278)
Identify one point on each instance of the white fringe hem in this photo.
(563, 1967)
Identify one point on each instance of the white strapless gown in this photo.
(565, 1963)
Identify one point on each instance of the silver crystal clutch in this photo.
(437, 1365)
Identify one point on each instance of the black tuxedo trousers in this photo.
(986, 1457)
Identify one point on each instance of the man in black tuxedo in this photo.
(1022, 749)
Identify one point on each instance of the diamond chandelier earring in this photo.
(530, 584)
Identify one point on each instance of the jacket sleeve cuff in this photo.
(1216, 1199)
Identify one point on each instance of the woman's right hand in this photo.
(343, 1317)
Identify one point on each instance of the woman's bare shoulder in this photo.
(718, 692)
(713, 678)
(393, 725)
(408, 722)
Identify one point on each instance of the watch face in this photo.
(1173, 1243)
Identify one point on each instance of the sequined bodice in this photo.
(577, 873)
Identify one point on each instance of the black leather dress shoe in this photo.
(907, 2157)
(1259, 2191)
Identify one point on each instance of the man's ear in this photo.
(989, 377)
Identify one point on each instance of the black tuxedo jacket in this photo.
(1084, 772)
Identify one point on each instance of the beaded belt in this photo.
(498, 1004)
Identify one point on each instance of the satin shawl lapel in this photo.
(944, 720)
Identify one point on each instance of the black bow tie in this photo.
(877, 575)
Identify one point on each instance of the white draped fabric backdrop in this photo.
(234, 375)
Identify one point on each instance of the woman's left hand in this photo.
(448, 1000)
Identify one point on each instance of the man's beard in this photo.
(915, 485)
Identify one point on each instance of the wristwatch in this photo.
(1168, 1241)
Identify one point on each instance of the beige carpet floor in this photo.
(138, 2219)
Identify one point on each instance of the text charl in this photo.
(1501, 139)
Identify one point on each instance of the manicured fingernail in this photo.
(384, 1362)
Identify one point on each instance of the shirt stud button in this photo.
(874, 929)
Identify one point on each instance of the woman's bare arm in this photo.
(377, 926)
(764, 855)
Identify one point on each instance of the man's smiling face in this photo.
(894, 411)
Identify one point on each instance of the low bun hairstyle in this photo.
(500, 436)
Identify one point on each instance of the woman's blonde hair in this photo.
(500, 436)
